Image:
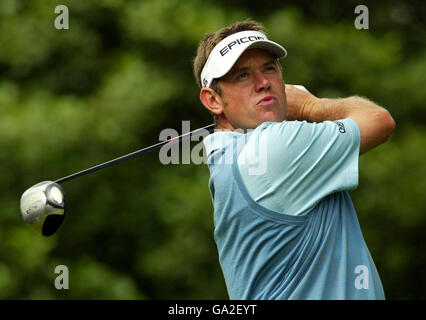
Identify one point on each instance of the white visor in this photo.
(226, 53)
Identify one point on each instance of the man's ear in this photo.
(212, 100)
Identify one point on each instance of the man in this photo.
(289, 231)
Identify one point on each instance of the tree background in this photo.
(70, 99)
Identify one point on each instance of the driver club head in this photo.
(43, 207)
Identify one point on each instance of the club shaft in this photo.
(137, 153)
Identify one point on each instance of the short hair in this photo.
(210, 40)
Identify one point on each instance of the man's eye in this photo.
(243, 75)
(270, 68)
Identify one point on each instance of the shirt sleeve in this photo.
(304, 163)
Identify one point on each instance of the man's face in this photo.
(253, 91)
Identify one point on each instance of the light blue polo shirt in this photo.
(285, 226)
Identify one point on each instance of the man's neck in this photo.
(223, 124)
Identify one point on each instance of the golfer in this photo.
(285, 228)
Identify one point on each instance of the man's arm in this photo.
(375, 123)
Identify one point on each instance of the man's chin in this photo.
(273, 118)
(269, 119)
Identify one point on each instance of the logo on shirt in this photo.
(341, 126)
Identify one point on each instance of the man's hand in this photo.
(299, 101)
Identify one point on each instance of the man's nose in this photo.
(262, 82)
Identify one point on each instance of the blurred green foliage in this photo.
(70, 99)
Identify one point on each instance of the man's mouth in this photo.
(266, 100)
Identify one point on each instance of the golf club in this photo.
(43, 206)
